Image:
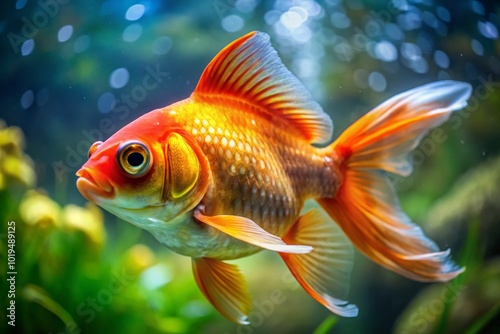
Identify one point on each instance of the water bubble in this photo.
(377, 82)
(477, 47)
(132, 32)
(386, 51)
(27, 47)
(488, 29)
(65, 33)
(232, 23)
(441, 59)
(106, 102)
(27, 99)
(340, 20)
(119, 78)
(81, 44)
(134, 12)
(162, 45)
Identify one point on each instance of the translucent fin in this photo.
(324, 272)
(246, 230)
(224, 287)
(366, 206)
(383, 138)
(250, 70)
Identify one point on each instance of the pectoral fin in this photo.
(248, 231)
(324, 273)
(224, 287)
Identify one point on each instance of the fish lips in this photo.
(94, 185)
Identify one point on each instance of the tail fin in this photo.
(366, 206)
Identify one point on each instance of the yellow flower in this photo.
(138, 258)
(14, 164)
(39, 210)
(89, 220)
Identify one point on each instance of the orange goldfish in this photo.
(224, 174)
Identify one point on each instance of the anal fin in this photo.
(324, 272)
(225, 287)
(246, 230)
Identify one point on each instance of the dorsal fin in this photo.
(249, 69)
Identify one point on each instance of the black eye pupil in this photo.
(135, 159)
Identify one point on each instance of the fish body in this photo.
(225, 173)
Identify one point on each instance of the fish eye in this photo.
(134, 158)
(94, 147)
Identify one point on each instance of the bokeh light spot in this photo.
(232, 23)
(27, 99)
(443, 14)
(27, 47)
(132, 32)
(162, 45)
(81, 44)
(135, 12)
(488, 29)
(340, 20)
(119, 78)
(65, 33)
(386, 51)
(20, 4)
(441, 59)
(477, 47)
(377, 81)
(106, 102)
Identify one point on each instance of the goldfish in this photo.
(225, 173)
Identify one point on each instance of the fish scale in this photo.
(266, 181)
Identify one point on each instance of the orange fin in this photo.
(250, 70)
(324, 272)
(224, 287)
(366, 206)
(246, 230)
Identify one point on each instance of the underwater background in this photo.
(74, 72)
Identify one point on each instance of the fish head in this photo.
(145, 177)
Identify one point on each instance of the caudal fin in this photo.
(366, 206)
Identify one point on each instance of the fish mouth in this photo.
(93, 185)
